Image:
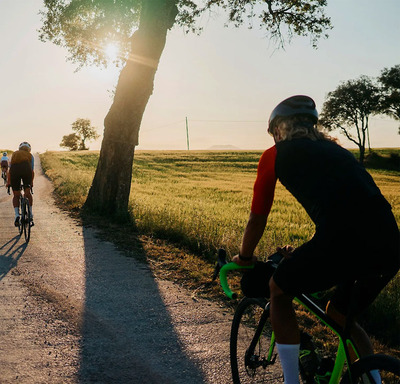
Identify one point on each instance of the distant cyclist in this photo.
(21, 168)
(4, 162)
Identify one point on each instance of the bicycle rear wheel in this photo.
(388, 367)
(21, 218)
(252, 356)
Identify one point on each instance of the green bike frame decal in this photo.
(224, 282)
(271, 346)
(339, 364)
(340, 354)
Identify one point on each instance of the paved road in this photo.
(73, 309)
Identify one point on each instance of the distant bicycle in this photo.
(4, 175)
(25, 222)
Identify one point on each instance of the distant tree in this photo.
(85, 27)
(70, 141)
(390, 86)
(77, 140)
(84, 131)
(348, 109)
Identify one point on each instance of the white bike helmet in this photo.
(25, 145)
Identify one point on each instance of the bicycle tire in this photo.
(21, 218)
(388, 366)
(27, 221)
(252, 367)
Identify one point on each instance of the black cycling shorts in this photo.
(370, 255)
(18, 172)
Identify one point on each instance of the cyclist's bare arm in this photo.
(254, 230)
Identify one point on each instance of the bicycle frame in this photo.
(305, 300)
(342, 354)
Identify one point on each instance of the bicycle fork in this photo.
(251, 359)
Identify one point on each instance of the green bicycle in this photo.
(252, 343)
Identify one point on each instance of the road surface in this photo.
(74, 309)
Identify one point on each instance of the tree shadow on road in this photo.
(10, 253)
(128, 336)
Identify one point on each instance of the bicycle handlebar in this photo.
(222, 267)
(224, 281)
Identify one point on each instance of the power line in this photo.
(230, 121)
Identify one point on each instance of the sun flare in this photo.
(112, 52)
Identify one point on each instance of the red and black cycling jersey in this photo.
(325, 178)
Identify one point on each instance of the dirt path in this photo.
(73, 309)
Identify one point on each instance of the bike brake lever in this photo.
(221, 261)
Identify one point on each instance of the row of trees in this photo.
(348, 108)
(83, 131)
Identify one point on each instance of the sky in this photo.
(225, 82)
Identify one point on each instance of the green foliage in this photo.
(390, 88)
(85, 27)
(70, 141)
(83, 131)
(348, 109)
(71, 174)
(281, 19)
(388, 160)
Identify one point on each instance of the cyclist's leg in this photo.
(15, 181)
(304, 271)
(368, 288)
(360, 337)
(29, 196)
(27, 180)
(287, 334)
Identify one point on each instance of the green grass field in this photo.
(200, 201)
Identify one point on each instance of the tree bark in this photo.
(109, 193)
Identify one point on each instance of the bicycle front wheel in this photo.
(27, 221)
(388, 367)
(253, 359)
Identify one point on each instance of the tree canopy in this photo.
(348, 109)
(85, 131)
(86, 27)
(70, 141)
(390, 85)
(77, 140)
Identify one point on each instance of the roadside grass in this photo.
(185, 205)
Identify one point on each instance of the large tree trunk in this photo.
(109, 193)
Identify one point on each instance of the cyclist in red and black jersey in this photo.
(356, 236)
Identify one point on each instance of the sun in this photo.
(111, 51)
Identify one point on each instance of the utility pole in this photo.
(187, 134)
